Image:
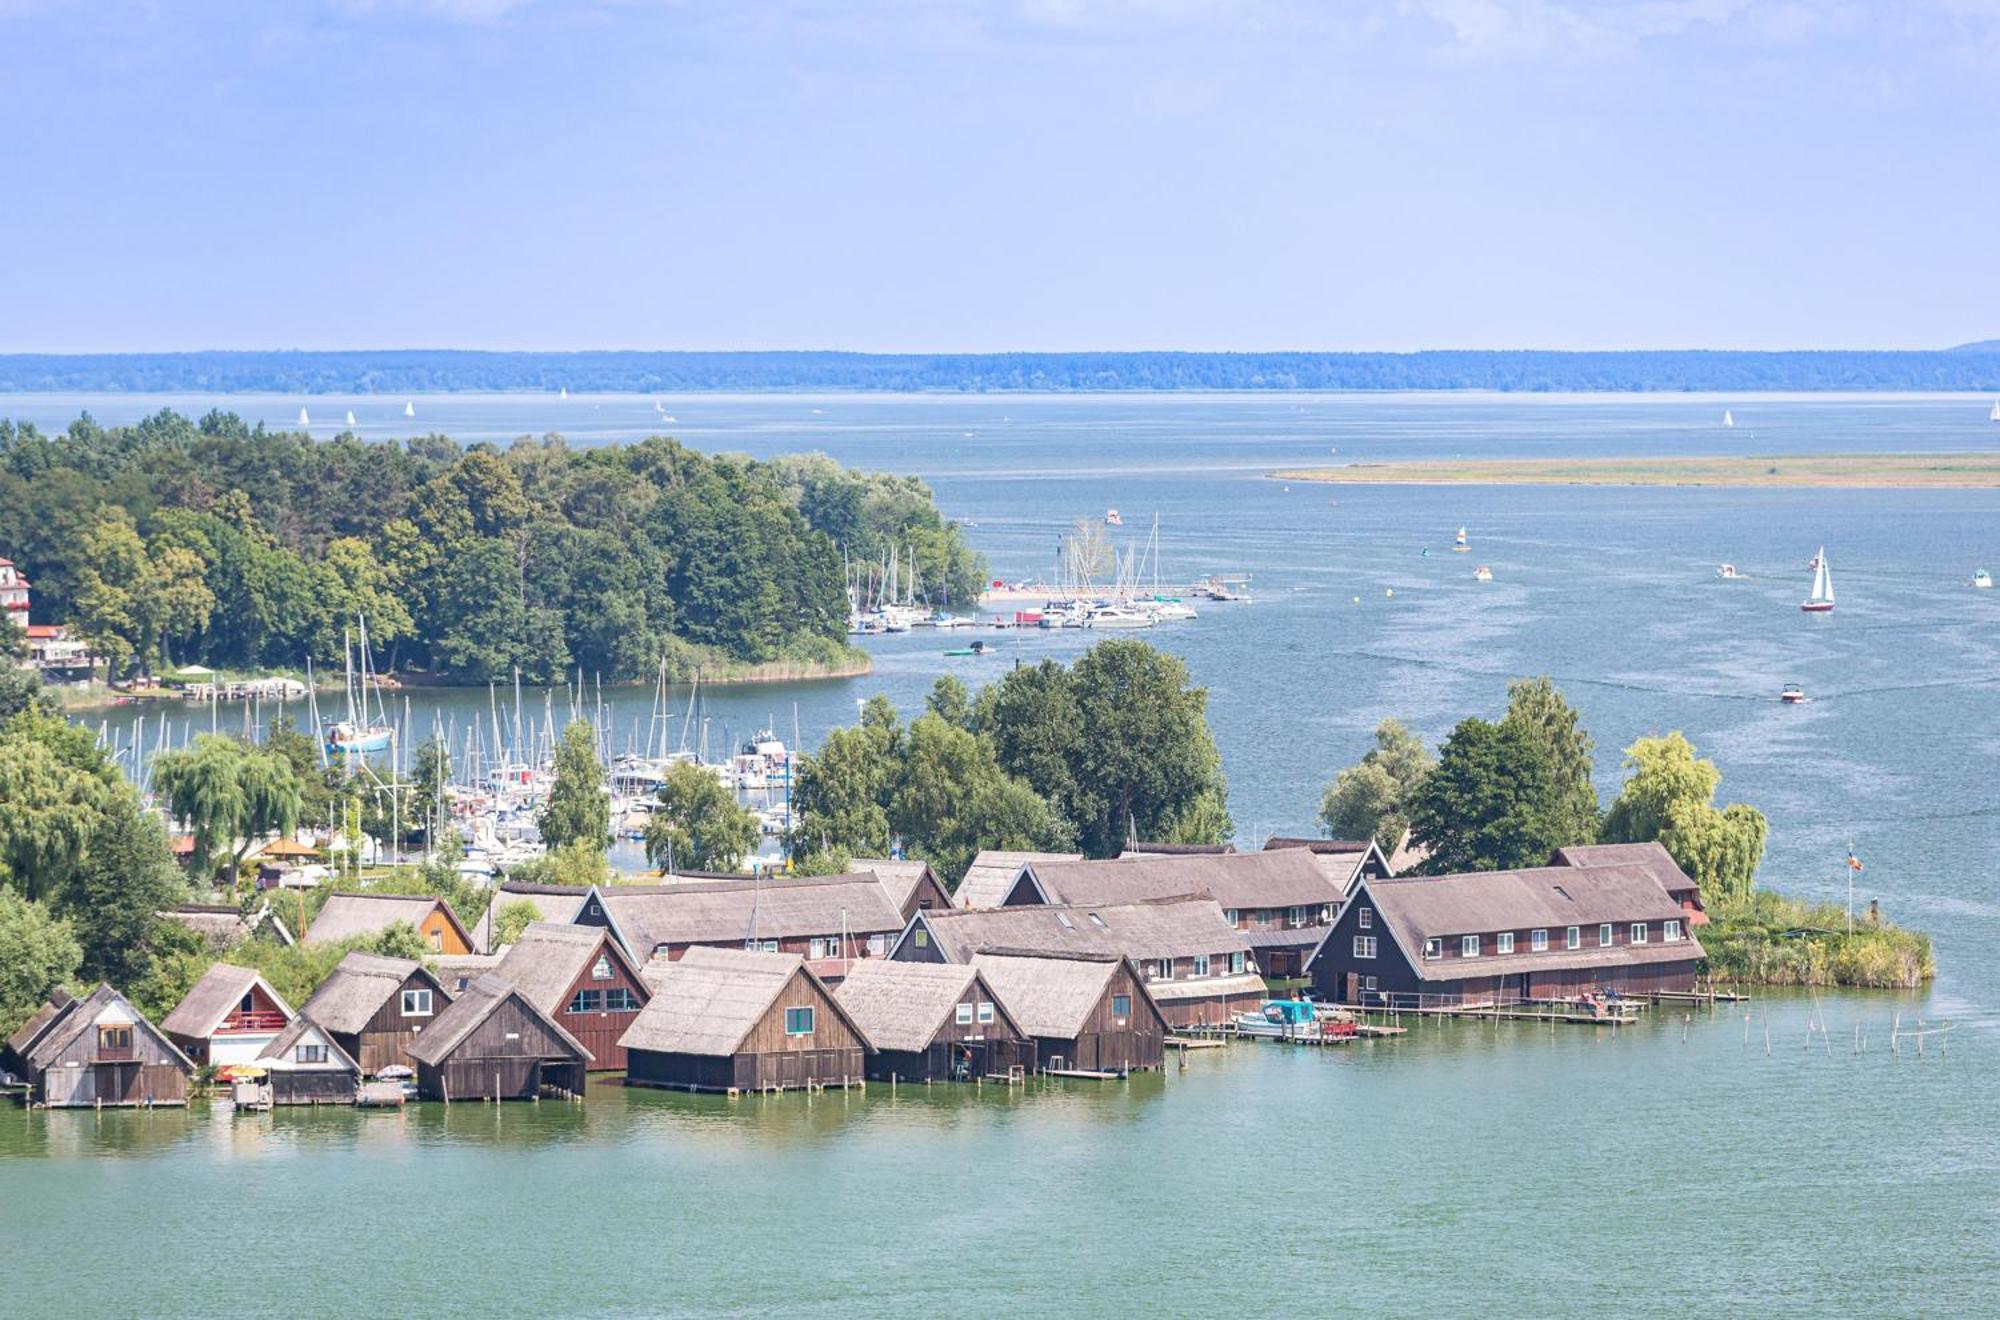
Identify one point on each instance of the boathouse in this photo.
(229, 1016)
(581, 978)
(491, 1043)
(829, 920)
(993, 872)
(908, 884)
(729, 1020)
(1651, 857)
(97, 1050)
(556, 903)
(1198, 966)
(933, 1022)
(376, 1007)
(306, 1066)
(1505, 936)
(1087, 1012)
(350, 916)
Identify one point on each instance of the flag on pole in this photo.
(1853, 862)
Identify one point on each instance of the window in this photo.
(1236, 964)
(620, 1000)
(1326, 914)
(1365, 918)
(663, 950)
(770, 946)
(1468, 946)
(1097, 921)
(1538, 941)
(1504, 942)
(1364, 946)
(965, 1015)
(1201, 964)
(1368, 983)
(587, 1001)
(985, 1010)
(1433, 948)
(1295, 916)
(826, 946)
(1671, 932)
(309, 1054)
(437, 941)
(113, 1039)
(601, 969)
(923, 938)
(596, 911)
(799, 1021)
(1233, 917)
(877, 945)
(1604, 936)
(1574, 940)
(416, 1003)
(1638, 932)
(249, 1004)
(1121, 1006)
(1163, 970)
(1062, 919)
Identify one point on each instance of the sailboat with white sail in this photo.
(304, 419)
(358, 735)
(350, 417)
(1821, 600)
(1459, 543)
(1728, 420)
(1994, 416)
(409, 409)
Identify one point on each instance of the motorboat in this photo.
(1482, 574)
(1982, 579)
(1793, 695)
(1118, 616)
(1111, 518)
(1727, 573)
(1293, 1019)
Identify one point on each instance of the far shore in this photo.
(1968, 471)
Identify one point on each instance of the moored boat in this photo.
(1727, 572)
(1981, 578)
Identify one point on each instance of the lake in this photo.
(1658, 1170)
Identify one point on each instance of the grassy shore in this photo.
(1773, 940)
(1933, 471)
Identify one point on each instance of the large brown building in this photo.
(364, 916)
(98, 1050)
(727, 1020)
(828, 920)
(375, 1007)
(933, 1022)
(492, 1043)
(1087, 1012)
(582, 979)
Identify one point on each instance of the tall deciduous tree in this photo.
(132, 599)
(840, 799)
(577, 810)
(1669, 796)
(38, 952)
(50, 805)
(1491, 803)
(1538, 710)
(1145, 747)
(229, 795)
(1371, 799)
(951, 799)
(698, 824)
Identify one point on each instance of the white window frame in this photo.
(1504, 942)
(770, 946)
(1604, 940)
(1295, 917)
(964, 1017)
(422, 997)
(806, 1009)
(1638, 932)
(1574, 939)
(1367, 983)
(1201, 964)
(1538, 941)
(1364, 946)
(986, 1010)
(1364, 918)
(306, 1052)
(1163, 969)
(1433, 948)
(1670, 933)
(1468, 946)
(921, 937)
(877, 945)
(1233, 916)
(1236, 964)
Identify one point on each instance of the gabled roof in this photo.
(349, 916)
(992, 874)
(77, 1017)
(29, 1032)
(1165, 928)
(1651, 857)
(645, 917)
(711, 999)
(547, 960)
(1052, 995)
(356, 990)
(481, 1000)
(279, 1051)
(903, 1005)
(898, 877)
(223, 924)
(551, 902)
(1143, 849)
(1276, 879)
(213, 997)
(455, 971)
(1341, 860)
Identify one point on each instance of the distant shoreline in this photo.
(1969, 471)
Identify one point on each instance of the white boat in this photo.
(1994, 416)
(1117, 616)
(1727, 572)
(350, 416)
(1482, 574)
(304, 420)
(1821, 600)
(1728, 420)
(409, 410)
(1793, 695)
(1112, 519)
(1982, 579)
(1459, 543)
(564, 394)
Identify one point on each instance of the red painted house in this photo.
(582, 979)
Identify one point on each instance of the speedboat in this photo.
(1982, 579)
(1293, 1019)
(1793, 695)
(1482, 574)
(1727, 572)
(1118, 616)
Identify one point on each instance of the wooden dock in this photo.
(1195, 1042)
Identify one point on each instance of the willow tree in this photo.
(1371, 799)
(229, 795)
(1669, 796)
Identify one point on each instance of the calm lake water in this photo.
(1465, 1168)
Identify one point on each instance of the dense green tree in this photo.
(1144, 746)
(1492, 801)
(950, 702)
(19, 688)
(573, 864)
(1669, 796)
(50, 805)
(698, 825)
(1371, 800)
(840, 796)
(430, 773)
(133, 600)
(951, 799)
(1031, 717)
(577, 809)
(229, 795)
(126, 878)
(38, 953)
(1538, 710)
(511, 920)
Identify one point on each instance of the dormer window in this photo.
(1468, 946)
(1433, 948)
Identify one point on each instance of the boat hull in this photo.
(1817, 607)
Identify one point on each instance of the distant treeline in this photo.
(1972, 367)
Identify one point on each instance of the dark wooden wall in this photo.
(386, 1039)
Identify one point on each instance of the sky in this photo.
(993, 175)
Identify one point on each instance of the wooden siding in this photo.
(150, 1073)
(1107, 1043)
(332, 1086)
(990, 1058)
(386, 1039)
(441, 936)
(600, 1031)
(832, 1055)
(509, 1056)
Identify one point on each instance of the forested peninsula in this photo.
(399, 372)
(175, 541)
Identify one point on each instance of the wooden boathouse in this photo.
(97, 1051)
(228, 1016)
(933, 1022)
(306, 1066)
(730, 1020)
(492, 1043)
(348, 916)
(582, 979)
(1088, 1013)
(375, 1007)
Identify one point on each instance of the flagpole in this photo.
(1850, 887)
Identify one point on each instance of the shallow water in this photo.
(1456, 1169)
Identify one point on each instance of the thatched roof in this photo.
(223, 924)
(348, 916)
(647, 917)
(455, 971)
(1168, 928)
(710, 1000)
(356, 990)
(481, 1000)
(29, 1032)
(79, 1015)
(302, 1029)
(1277, 879)
(1340, 860)
(551, 903)
(1049, 996)
(1144, 849)
(213, 997)
(903, 1005)
(547, 960)
(992, 874)
(898, 877)
(1651, 857)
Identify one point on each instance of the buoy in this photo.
(1357, 600)
(1390, 592)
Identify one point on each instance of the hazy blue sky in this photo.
(1041, 174)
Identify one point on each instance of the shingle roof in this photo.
(76, 1017)
(1048, 996)
(720, 911)
(481, 1000)
(903, 1005)
(1278, 879)
(356, 990)
(1652, 857)
(211, 998)
(349, 916)
(708, 1001)
(223, 924)
(992, 874)
(279, 1051)
(547, 960)
(1167, 928)
(899, 877)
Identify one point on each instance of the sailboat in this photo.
(564, 394)
(1821, 600)
(304, 420)
(357, 735)
(1994, 416)
(350, 416)
(1458, 543)
(409, 410)
(1728, 419)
